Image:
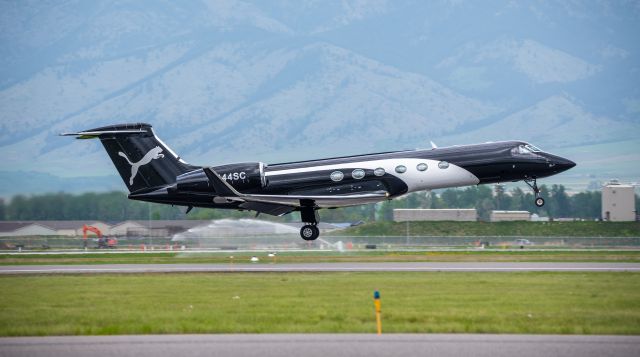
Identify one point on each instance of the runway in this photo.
(322, 345)
(320, 267)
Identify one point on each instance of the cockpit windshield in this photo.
(525, 149)
(532, 148)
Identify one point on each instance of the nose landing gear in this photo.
(534, 186)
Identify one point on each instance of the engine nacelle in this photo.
(243, 176)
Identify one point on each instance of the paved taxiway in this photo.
(322, 345)
(318, 267)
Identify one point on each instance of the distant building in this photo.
(23, 229)
(618, 202)
(157, 228)
(503, 216)
(452, 214)
(536, 218)
(47, 228)
(128, 228)
(73, 228)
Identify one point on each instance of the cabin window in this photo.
(337, 176)
(357, 174)
(443, 165)
(401, 169)
(379, 171)
(422, 167)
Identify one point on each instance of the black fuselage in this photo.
(154, 173)
(483, 163)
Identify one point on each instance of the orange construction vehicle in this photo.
(103, 242)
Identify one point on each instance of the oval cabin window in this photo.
(357, 174)
(337, 176)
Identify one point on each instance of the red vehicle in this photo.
(103, 242)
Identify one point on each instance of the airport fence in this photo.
(294, 242)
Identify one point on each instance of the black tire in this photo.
(316, 232)
(309, 232)
(539, 202)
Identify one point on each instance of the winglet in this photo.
(221, 187)
(433, 145)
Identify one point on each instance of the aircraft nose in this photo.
(570, 164)
(562, 164)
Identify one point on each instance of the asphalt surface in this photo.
(289, 250)
(323, 345)
(318, 267)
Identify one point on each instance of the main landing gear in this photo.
(534, 186)
(310, 230)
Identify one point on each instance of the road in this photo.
(311, 251)
(319, 267)
(323, 345)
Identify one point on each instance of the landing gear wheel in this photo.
(534, 186)
(309, 232)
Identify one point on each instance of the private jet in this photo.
(155, 173)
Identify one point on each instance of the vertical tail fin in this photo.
(141, 158)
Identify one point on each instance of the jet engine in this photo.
(243, 177)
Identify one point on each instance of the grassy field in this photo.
(528, 229)
(547, 303)
(629, 256)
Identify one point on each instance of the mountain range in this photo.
(225, 81)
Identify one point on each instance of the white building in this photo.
(447, 214)
(503, 216)
(158, 228)
(74, 228)
(129, 228)
(618, 202)
(25, 229)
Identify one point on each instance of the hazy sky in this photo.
(225, 81)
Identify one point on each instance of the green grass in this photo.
(547, 303)
(629, 256)
(523, 228)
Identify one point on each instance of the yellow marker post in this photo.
(376, 301)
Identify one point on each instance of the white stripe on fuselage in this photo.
(434, 177)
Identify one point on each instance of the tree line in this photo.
(114, 206)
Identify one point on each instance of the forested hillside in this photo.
(114, 206)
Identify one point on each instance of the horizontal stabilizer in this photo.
(96, 134)
(119, 129)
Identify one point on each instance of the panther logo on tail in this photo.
(154, 153)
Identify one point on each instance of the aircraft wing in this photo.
(269, 202)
